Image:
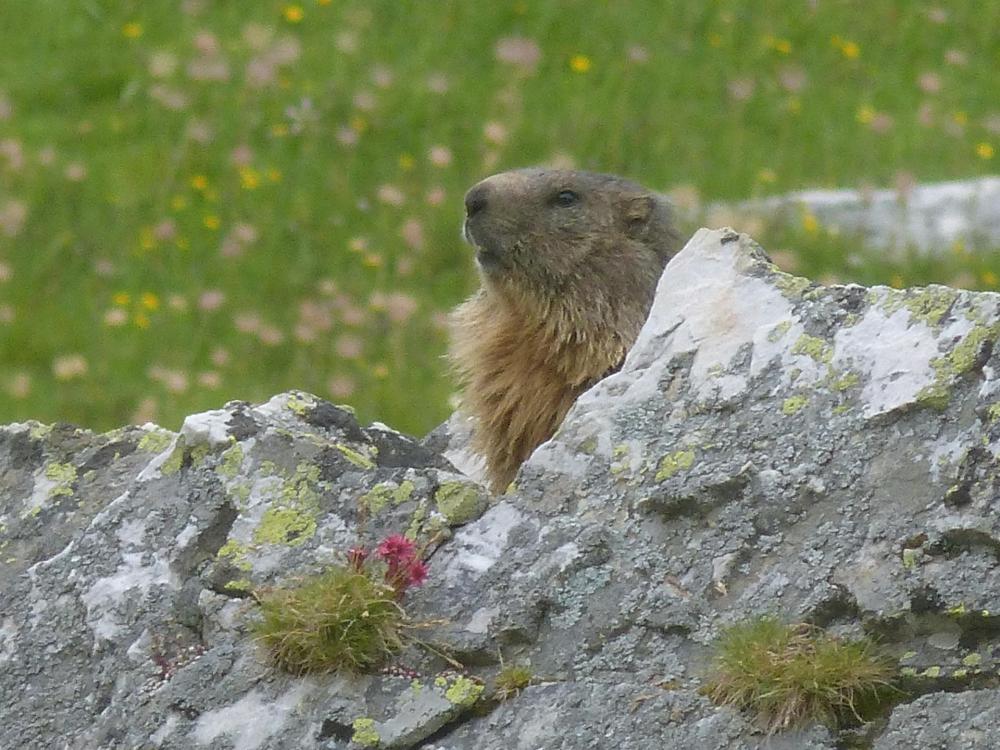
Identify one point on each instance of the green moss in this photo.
(993, 412)
(459, 502)
(156, 441)
(511, 680)
(64, 475)
(403, 492)
(464, 692)
(231, 460)
(788, 675)
(672, 463)
(365, 733)
(793, 404)
(358, 459)
(814, 347)
(341, 620)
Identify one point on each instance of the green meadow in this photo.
(205, 200)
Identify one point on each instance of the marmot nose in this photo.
(475, 200)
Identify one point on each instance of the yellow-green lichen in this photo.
(932, 672)
(993, 412)
(417, 519)
(156, 441)
(973, 660)
(199, 453)
(63, 476)
(231, 460)
(813, 346)
(776, 333)
(299, 403)
(358, 459)
(844, 382)
(911, 557)
(957, 362)
(174, 462)
(240, 585)
(791, 286)
(588, 446)
(793, 404)
(235, 553)
(464, 692)
(930, 305)
(283, 525)
(365, 733)
(672, 463)
(458, 502)
(377, 497)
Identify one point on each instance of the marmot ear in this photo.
(638, 209)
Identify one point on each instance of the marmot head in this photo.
(566, 237)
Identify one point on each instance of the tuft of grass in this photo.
(789, 675)
(341, 620)
(511, 680)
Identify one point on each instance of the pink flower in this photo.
(396, 547)
(416, 572)
(356, 557)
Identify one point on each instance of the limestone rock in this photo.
(824, 454)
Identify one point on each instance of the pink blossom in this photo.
(396, 547)
(519, 51)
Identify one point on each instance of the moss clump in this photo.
(459, 502)
(790, 675)
(464, 692)
(341, 620)
(365, 733)
(674, 462)
(511, 681)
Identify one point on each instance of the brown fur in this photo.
(565, 289)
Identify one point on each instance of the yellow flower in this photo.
(897, 281)
(984, 151)
(182, 243)
(132, 30)
(322, 2)
(212, 222)
(783, 46)
(359, 124)
(274, 175)
(810, 223)
(960, 118)
(140, 320)
(989, 278)
(199, 182)
(715, 39)
(121, 298)
(372, 260)
(850, 50)
(406, 162)
(865, 114)
(380, 371)
(150, 301)
(767, 175)
(794, 105)
(293, 13)
(579, 63)
(279, 130)
(146, 239)
(178, 203)
(249, 178)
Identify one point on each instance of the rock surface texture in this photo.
(824, 454)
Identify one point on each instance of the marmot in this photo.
(569, 262)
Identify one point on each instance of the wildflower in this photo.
(279, 130)
(380, 371)
(273, 175)
(346, 42)
(406, 162)
(359, 124)
(211, 299)
(436, 196)
(579, 63)
(741, 89)
(150, 301)
(865, 114)
(75, 172)
(349, 347)
(715, 39)
(382, 76)
(199, 182)
(396, 547)
(897, 281)
(270, 335)
(211, 221)
(518, 51)
(793, 78)
(69, 366)
(132, 30)
(209, 379)
(810, 223)
(391, 195)
(6, 272)
(495, 132)
(219, 357)
(637, 54)
(412, 233)
(13, 215)
(141, 321)
(989, 278)
(882, 123)
(19, 385)
(766, 175)
(340, 387)
(956, 57)
(365, 101)
(437, 83)
(960, 118)
(177, 303)
(247, 322)
(850, 50)
(115, 317)
(121, 298)
(984, 150)
(347, 136)
(178, 203)
(929, 83)
(249, 178)
(293, 13)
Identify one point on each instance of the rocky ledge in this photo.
(771, 446)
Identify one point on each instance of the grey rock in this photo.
(770, 446)
(945, 721)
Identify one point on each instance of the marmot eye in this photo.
(566, 198)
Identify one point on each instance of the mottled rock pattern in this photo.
(826, 454)
(929, 218)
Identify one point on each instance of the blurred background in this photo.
(210, 200)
